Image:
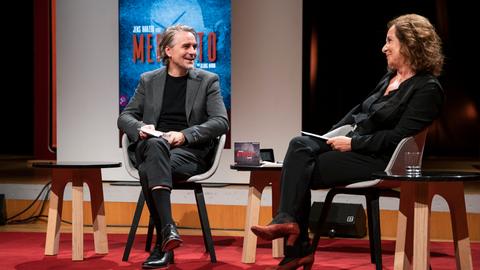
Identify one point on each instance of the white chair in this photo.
(190, 183)
(373, 190)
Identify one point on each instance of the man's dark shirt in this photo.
(173, 116)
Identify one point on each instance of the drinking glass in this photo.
(412, 163)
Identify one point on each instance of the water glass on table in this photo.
(412, 164)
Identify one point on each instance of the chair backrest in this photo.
(409, 144)
(216, 161)
(132, 171)
(396, 164)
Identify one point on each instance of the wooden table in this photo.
(77, 173)
(412, 250)
(260, 177)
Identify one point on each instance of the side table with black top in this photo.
(260, 177)
(77, 173)
(412, 249)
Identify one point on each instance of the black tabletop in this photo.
(76, 164)
(431, 176)
(276, 167)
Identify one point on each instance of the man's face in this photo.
(182, 54)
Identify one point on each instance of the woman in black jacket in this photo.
(405, 101)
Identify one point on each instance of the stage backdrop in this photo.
(141, 23)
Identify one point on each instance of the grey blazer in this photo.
(206, 114)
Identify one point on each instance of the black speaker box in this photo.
(3, 210)
(343, 220)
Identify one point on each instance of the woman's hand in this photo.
(340, 143)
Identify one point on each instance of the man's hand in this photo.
(340, 143)
(143, 135)
(174, 138)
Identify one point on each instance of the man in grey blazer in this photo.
(186, 105)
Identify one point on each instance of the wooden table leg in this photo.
(59, 180)
(258, 181)
(277, 248)
(418, 197)
(77, 173)
(253, 212)
(77, 217)
(94, 180)
(277, 244)
(421, 228)
(403, 244)
(453, 193)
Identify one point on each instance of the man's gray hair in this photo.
(167, 39)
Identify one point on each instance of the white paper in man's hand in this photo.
(151, 132)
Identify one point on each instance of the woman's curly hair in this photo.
(421, 44)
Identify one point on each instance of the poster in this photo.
(141, 23)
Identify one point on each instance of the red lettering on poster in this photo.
(140, 45)
(200, 46)
(149, 48)
(157, 46)
(212, 47)
(138, 49)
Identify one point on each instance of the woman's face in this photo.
(391, 49)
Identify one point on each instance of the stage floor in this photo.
(24, 251)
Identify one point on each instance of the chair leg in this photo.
(148, 243)
(370, 229)
(374, 234)
(323, 218)
(202, 213)
(373, 213)
(133, 228)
